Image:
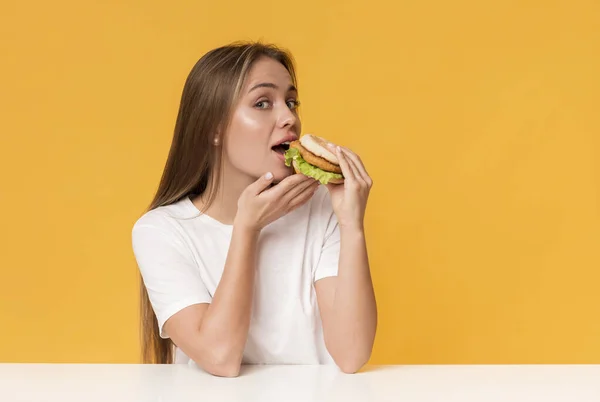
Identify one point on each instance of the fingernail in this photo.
(269, 176)
(337, 148)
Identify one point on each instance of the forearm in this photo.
(224, 327)
(354, 305)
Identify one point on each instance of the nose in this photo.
(287, 117)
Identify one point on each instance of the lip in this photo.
(288, 138)
(280, 156)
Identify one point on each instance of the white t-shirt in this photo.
(181, 255)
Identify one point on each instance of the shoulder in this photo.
(154, 223)
(168, 216)
(162, 225)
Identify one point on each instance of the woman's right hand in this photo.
(260, 205)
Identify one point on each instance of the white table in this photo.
(161, 383)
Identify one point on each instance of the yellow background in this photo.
(478, 120)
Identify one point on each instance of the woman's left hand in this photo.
(349, 199)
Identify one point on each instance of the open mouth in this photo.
(281, 148)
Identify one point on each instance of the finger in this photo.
(346, 169)
(350, 163)
(354, 156)
(308, 185)
(285, 185)
(355, 170)
(302, 197)
(261, 184)
(306, 192)
(359, 165)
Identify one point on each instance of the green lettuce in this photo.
(307, 169)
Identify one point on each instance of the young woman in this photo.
(241, 260)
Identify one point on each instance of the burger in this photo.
(311, 157)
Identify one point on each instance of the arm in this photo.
(347, 304)
(214, 335)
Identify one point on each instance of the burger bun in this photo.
(320, 147)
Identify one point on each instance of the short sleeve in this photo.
(330, 252)
(170, 275)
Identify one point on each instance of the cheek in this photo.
(248, 138)
(250, 127)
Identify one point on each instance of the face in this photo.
(264, 117)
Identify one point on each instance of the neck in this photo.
(225, 204)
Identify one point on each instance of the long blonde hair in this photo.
(209, 95)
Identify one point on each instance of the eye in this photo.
(265, 104)
(293, 104)
(261, 104)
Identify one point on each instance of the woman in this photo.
(238, 255)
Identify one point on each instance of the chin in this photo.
(280, 174)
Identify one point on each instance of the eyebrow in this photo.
(271, 85)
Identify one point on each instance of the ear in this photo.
(218, 138)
